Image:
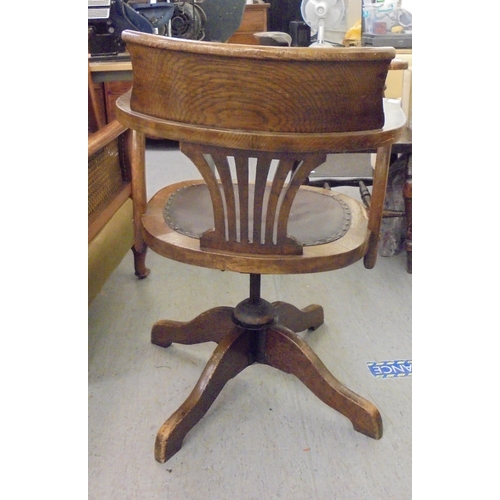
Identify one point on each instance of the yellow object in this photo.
(397, 29)
(108, 248)
(354, 33)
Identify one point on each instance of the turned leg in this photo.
(380, 178)
(408, 210)
(209, 326)
(229, 358)
(299, 320)
(288, 352)
(141, 271)
(137, 152)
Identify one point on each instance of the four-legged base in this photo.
(240, 345)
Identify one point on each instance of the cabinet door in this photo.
(97, 107)
(112, 91)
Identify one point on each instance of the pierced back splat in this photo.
(251, 209)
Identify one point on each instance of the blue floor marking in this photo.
(390, 369)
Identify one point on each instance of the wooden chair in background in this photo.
(110, 236)
(95, 120)
(256, 121)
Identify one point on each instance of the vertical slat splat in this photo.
(241, 163)
(226, 180)
(263, 165)
(308, 165)
(195, 154)
(285, 166)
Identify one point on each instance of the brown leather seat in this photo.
(256, 120)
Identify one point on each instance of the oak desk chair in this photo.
(255, 121)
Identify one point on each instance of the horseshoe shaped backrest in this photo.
(231, 105)
(258, 88)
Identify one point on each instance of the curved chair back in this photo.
(283, 108)
(256, 88)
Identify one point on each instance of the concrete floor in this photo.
(266, 436)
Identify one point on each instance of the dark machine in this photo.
(210, 20)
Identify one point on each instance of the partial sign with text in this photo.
(390, 369)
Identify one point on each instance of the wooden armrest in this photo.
(106, 198)
(103, 136)
(398, 64)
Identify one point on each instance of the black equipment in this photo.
(210, 20)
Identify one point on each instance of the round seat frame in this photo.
(170, 243)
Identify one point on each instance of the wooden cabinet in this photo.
(254, 20)
(99, 108)
(112, 91)
(107, 93)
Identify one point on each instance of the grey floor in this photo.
(266, 436)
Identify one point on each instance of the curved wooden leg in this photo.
(231, 356)
(209, 326)
(141, 271)
(298, 320)
(380, 178)
(408, 210)
(288, 352)
(136, 149)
